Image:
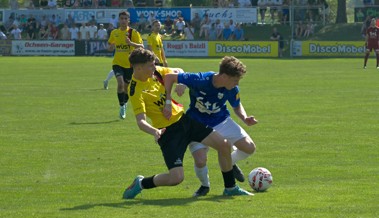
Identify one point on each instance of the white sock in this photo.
(110, 75)
(238, 155)
(202, 174)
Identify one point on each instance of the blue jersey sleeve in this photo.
(234, 97)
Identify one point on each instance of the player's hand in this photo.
(158, 134)
(127, 40)
(250, 121)
(111, 47)
(180, 89)
(167, 111)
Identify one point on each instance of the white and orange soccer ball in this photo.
(260, 179)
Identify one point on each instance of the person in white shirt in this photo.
(102, 33)
(16, 32)
(114, 21)
(180, 26)
(74, 32)
(189, 32)
(83, 32)
(92, 31)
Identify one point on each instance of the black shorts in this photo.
(126, 73)
(175, 140)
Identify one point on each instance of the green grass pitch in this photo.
(65, 153)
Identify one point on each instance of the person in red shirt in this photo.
(372, 42)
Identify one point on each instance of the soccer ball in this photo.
(260, 179)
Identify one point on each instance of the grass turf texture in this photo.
(65, 153)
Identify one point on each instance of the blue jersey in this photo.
(208, 104)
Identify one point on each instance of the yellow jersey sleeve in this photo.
(149, 97)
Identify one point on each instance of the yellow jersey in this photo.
(150, 98)
(123, 50)
(155, 41)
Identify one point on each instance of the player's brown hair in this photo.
(141, 56)
(231, 66)
(124, 13)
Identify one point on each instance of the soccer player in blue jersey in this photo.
(209, 92)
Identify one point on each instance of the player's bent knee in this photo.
(176, 180)
(251, 148)
(201, 162)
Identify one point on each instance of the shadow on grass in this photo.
(154, 202)
(92, 123)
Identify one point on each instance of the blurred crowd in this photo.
(307, 15)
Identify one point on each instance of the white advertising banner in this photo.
(240, 15)
(43, 48)
(186, 48)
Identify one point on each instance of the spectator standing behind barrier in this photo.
(227, 32)
(238, 33)
(92, 31)
(285, 12)
(113, 20)
(110, 29)
(262, 4)
(31, 27)
(53, 20)
(93, 20)
(65, 33)
(276, 36)
(205, 27)
(44, 21)
(180, 26)
(189, 32)
(168, 25)
(74, 32)
(151, 19)
(102, 33)
(83, 32)
(212, 33)
(16, 32)
(52, 31)
(69, 20)
(23, 22)
(196, 21)
(43, 34)
(219, 28)
(142, 23)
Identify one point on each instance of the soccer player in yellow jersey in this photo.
(154, 44)
(174, 132)
(123, 41)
